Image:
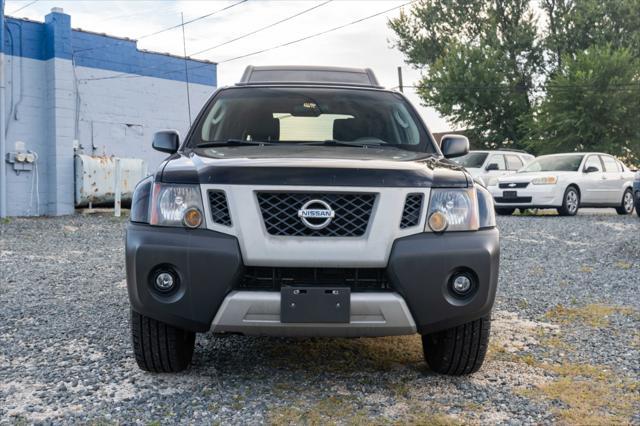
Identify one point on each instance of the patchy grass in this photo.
(537, 271)
(554, 343)
(590, 394)
(586, 269)
(623, 265)
(537, 212)
(594, 315)
(592, 400)
(419, 417)
(348, 355)
(330, 410)
(497, 352)
(334, 410)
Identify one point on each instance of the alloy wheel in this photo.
(572, 201)
(627, 201)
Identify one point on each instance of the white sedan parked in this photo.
(486, 166)
(566, 182)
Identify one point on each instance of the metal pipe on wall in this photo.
(3, 139)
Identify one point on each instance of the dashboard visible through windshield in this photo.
(308, 115)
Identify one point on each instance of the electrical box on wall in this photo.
(21, 158)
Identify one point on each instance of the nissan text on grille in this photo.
(310, 201)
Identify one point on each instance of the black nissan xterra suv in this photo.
(310, 201)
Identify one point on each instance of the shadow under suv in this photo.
(311, 202)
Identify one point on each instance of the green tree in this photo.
(592, 104)
(575, 25)
(492, 67)
(479, 61)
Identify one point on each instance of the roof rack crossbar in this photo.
(254, 75)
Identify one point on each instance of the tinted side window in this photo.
(610, 164)
(593, 161)
(499, 160)
(513, 162)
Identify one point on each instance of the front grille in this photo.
(280, 213)
(358, 279)
(412, 210)
(219, 208)
(514, 200)
(513, 185)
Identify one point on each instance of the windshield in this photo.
(275, 115)
(555, 163)
(473, 160)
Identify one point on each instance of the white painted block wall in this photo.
(119, 116)
(116, 117)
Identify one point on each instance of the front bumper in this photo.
(209, 265)
(636, 191)
(532, 196)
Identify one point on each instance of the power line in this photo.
(128, 75)
(318, 34)
(24, 7)
(199, 18)
(261, 29)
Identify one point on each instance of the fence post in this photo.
(117, 190)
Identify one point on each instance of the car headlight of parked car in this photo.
(453, 210)
(176, 205)
(545, 180)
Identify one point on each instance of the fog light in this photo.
(192, 218)
(438, 222)
(165, 282)
(461, 285)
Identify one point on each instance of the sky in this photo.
(364, 44)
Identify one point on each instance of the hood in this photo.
(475, 171)
(313, 166)
(529, 176)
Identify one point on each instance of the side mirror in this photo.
(166, 141)
(454, 146)
(492, 166)
(591, 169)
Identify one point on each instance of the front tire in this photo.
(459, 350)
(159, 347)
(626, 206)
(504, 211)
(570, 202)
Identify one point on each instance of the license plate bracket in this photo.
(510, 194)
(315, 304)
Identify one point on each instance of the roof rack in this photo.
(289, 74)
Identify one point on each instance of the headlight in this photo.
(176, 205)
(545, 180)
(453, 210)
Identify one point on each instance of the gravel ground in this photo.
(565, 342)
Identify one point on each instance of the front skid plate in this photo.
(258, 313)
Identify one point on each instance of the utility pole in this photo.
(3, 139)
(186, 67)
(400, 87)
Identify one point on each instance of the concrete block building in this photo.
(68, 89)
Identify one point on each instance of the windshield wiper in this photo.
(232, 142)
(333, 142)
